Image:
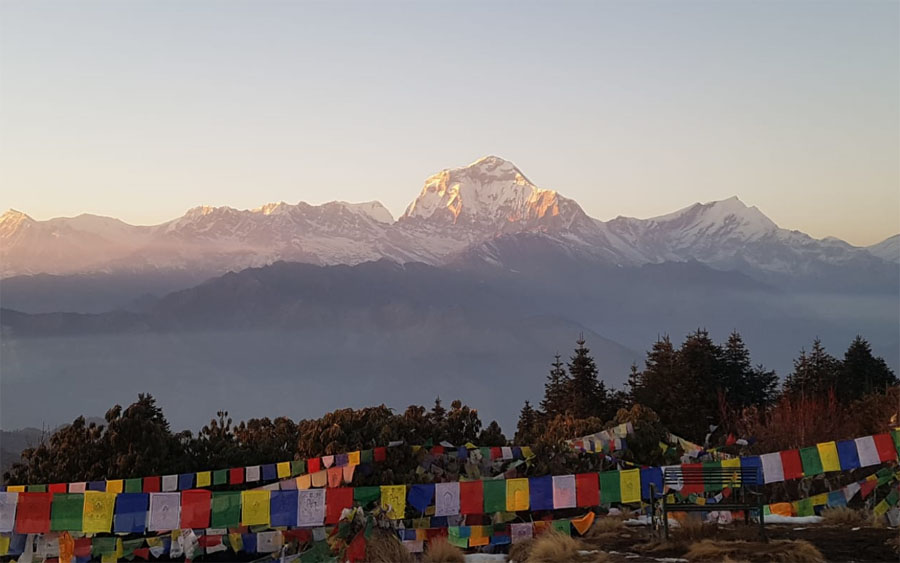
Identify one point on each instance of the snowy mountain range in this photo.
(471, 212)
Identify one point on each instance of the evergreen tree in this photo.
(743, 384)
(650, 387)
(815, 373)
(862, 373)
(492, 436)
(556, 390)
(525, 430)
(693, 399)
(587, 394)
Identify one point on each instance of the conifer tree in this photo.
(815, 373)
(862, 373)
(587, 394)
(556, 390)
(525, 430)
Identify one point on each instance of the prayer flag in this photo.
(284, 508)
(868, 453)
(151, 485)
(393, 500)
(348, 473)
(829, 457)
(708, 484)
(540, 493)
(583, 524)
(836, 498)
(112, 486)
(283, 469)
(587, 489)
(58, 488)
(98, 512)
(33, 513)
(66, 512)
(255, 507)
(380, 454)
(804, 507)
(365, 495)
(692, 472)
(812, 463)
(204, 478)
(336, 500)
(226, 509)
(220, 477)
(335, 476)
(517, 495)
(847, 455)
(446, 502)
(792, 466)
(269, 542)
(251, 473)
(313, 465)
(563, 527)
(165, 512)
(353, 458)
(753, 465)
(269, 472)
(420, 496)
(195, 508)
(319, 478)
(630, 485)
(169, 483)
(8, 511)
(311, 507)
(564, 491)
(885, 446)
(471, 497)
(96, 485)
(304, 481)
(773, 472)
(494, 491)
(185, 481)
(521, 532)
(73, 487)
(651, 475)
(131, 513)
(298, 467)
(610, 487)
(236, 476)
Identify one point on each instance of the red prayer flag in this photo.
(432, 533)
(587, 489)
(790, 462)
(335, 476)
(313, 465)
(437, 450)
(142, 552)
(380, 454)
(866, 487)
(302, 536)
(730, 440)
(336, 500)
(151, 484)
(236, 476)
(694, 472)
(83, 547)
(195, 506)
(58, 488)
(885, 447)
(356, 551)
(496, 453)
(33, 513)
(471, 497)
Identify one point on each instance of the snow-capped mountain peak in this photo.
(728, 215)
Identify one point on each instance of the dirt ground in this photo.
(837, 544)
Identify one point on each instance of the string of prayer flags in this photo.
(255, 507)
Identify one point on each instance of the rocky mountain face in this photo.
(461, 211)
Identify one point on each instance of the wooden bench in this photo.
(745, 484)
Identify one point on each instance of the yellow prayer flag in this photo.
(284, 469)
(255, 508)
(114, 486)
(236, 541)
(416, 448)
(393, 497)
(527, 453)
(304, 481)
(15, 489)
(829, 456)
(319, 478)
(630, 485)
(880, 508)
(819, 500)
(111, 557)
(4, 545)
(97, 514)
(735, 464)
(701, 501)
(204, 478)
(120, 548)
(516, 495)
(353, 458)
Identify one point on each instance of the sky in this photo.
(141, 110)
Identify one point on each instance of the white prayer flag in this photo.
(311, 507)
(252, 473)
(506, 452)
(170, 483)
(520, 532)
(868, 453)
(77, 487)
(414, 546)
(8, 503)
(327, 460)
(268, 542)
(165, 512)
(563, 491)
(851, 490)
(446, 499)
(773, 471)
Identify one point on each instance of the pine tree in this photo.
(815, 373)
(694, 395)
(556, 390)
(650, 386)
(862, 373)
(587, 394)
(525, 429)
(743, 384)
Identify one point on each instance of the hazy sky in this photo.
(142, 110)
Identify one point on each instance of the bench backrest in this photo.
(724, 476)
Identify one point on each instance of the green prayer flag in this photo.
(318, 553)
(220, 477)
(892, 497)
(37, 488)
(298, 467)
(99, 546)
(226, 509)
(365, 495)
(707, 485)
(766, 510)
(66, 512)
(366, 456)
(494, 495)
(812, 463)
(455, 538)
(804, 507)
(128, 547)
(485, 452)
(134, 485)
(563, 527)
(895, 434)
(610, 488)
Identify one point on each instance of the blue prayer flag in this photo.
(462, 452)
(130, 515)
(847, 455)
(836, 498)
(517, 452)
(185, 481)
(420, 496)
(753, 462)
(651, 475)
(269, 472)
(283, 508)
(96, 485)
(540, 492)
(249, 541)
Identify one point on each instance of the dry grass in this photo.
(783, 551)
(439, 550)
(385, 547)
(519, 552)
(553, 547)
(604, 525)
(843, 516)
(693, 529)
